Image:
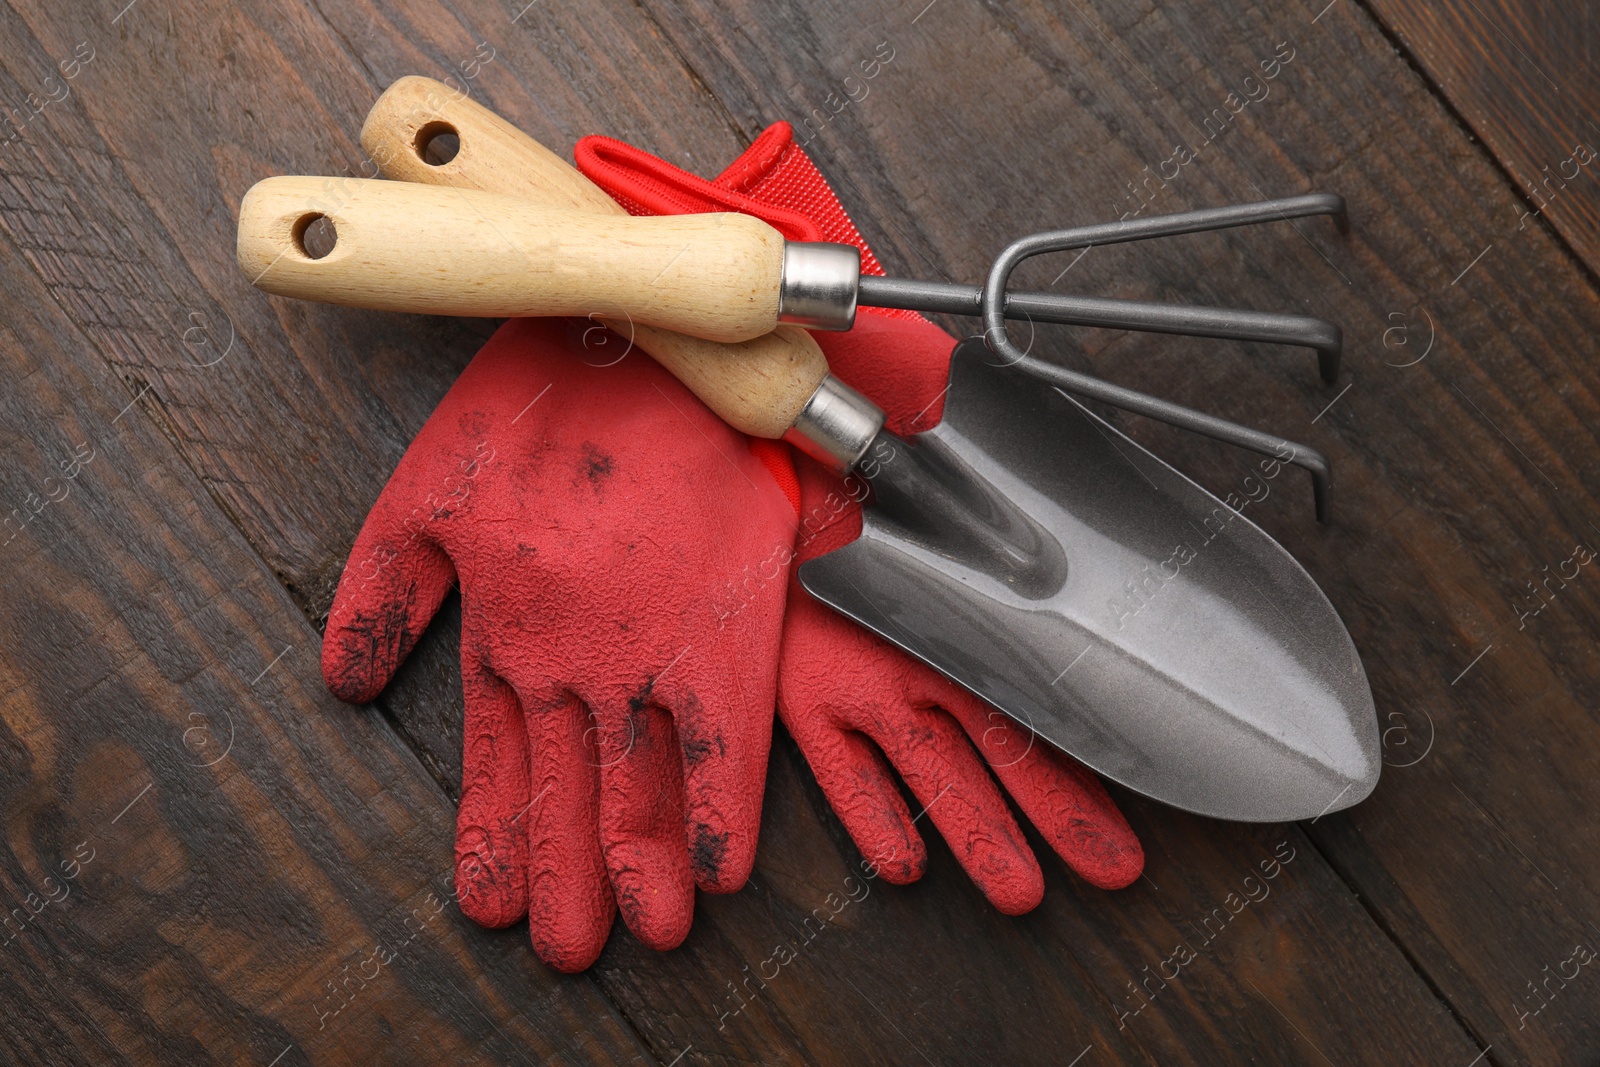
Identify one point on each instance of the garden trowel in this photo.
(1023, 547)
(1039, 557)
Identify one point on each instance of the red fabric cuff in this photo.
(647, 185)
(774, 455)
(773, 179)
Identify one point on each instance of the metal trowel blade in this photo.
(1108, 603)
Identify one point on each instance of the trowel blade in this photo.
(1132, 619)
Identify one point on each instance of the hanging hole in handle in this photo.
(315, 235)
(437, 143)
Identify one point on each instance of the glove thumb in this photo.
(391, 588)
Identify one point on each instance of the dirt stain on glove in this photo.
(596, 465)
(707, 852)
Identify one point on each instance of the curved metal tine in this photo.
(1147, 317)
(1211, 218)
(1303, 456)
(1227, 323)
(1325, 338)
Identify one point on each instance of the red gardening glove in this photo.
(619, 694)
(849, 698)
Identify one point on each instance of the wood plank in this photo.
(295, 428)
(1523, 77)
(206, 858)
(934, 954)
(295, 441)
(1460, 477)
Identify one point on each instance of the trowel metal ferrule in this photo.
(932, 496)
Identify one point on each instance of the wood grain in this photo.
(1404, 931)
(206, 858)
(1523, 77)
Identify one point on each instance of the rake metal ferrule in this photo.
(819, 285)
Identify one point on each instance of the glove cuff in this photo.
(775, 456)
(648, 185)
(777, 174)
(773, 179)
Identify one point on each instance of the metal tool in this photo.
(822, 285)
(994, 303)
(1033, 553)
(997, 305)
(1000, 542)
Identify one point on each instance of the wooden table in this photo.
(202, 848)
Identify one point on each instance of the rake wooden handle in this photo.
(467, 252)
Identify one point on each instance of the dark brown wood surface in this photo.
(1523, 78)
(230, 910)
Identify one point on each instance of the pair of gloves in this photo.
(630, 619)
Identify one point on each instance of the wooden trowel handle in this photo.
(492, 154)
(775, 385)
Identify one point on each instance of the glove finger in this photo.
(929, 750)
(641, 821)
(1062, 798)
(570, 905)
(393, 584)
(862, 792)
(724, 741)
(491, 841)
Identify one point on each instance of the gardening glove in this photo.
(617, 661)
(849, 698)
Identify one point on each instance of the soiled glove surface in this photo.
(850, 699)
(617, 662)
